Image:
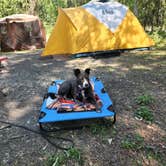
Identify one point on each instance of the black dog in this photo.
(79, 89)
(73, 88)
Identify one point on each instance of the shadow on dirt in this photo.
(125, 77)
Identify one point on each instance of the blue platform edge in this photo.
(51, 115)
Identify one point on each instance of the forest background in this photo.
(151, 13)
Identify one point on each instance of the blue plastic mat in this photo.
(51, 115)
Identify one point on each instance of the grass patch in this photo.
(102, 129)
(69, 157)
(98, 129)
(144, 113)
(137, 143)
(151, 153)
(104, 132)
(134, 143)
(145, 99)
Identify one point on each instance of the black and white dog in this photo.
(79, 88)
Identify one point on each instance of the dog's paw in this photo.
(99, 103)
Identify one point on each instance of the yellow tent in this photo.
(96, 26)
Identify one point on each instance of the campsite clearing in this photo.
(130, 79)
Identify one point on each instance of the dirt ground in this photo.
(125, 78)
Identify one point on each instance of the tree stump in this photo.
(21, 32)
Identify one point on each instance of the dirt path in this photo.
(125, 77)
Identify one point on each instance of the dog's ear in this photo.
(77, 72)
(87, 71)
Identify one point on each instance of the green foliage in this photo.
(48, 28)
(46, 10)
(145, 99)
(8, 7)
(152, 153)
(98, 129)
(135, 143)
(73, 155)
(159, 38)
(104, 130)
(145, 113)
(150, 13)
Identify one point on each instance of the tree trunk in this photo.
(135, 8)
(32, 5)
